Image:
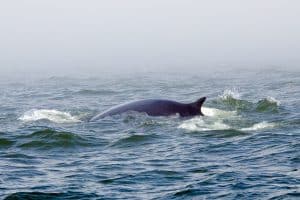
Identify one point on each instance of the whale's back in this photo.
(153, 107)
(156, 107)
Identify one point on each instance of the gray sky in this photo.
(95, 35)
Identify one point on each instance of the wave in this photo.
(48, 138)
(51, 115)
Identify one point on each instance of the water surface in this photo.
(246, 147)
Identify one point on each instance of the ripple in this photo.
(5, 143)
(189, 193)
(225, 133)
(150, 176)
(289, 195)
(96, 92)
(195, 190)
(44, 195)
(199, 170)
(18, 155)
(296, 160)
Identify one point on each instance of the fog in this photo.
(93, 36)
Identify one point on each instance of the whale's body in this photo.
(156, 107)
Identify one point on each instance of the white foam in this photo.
(198, 124)
(51, 115)
(214, 112)
(216, 119)
(273, 100)
(213, 120)
(259, 126)
(231, 94)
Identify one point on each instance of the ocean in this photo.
(247, 146)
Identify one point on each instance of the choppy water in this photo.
(246, 147)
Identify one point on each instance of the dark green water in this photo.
(246, 147)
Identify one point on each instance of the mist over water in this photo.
(75, 38)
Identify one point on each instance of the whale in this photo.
(156, 107)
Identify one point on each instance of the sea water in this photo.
(247, 146)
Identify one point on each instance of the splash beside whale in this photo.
(156, 107)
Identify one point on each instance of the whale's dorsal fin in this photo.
(199, 104)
